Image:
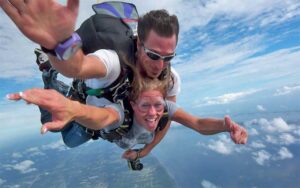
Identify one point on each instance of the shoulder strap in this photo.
(117, 134)
(163, 121)
(112, 27)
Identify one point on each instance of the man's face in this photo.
(148, 109)
(161, 46)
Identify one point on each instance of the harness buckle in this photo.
(90, 131)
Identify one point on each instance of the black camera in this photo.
(135, 164)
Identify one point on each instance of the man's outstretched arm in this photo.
(48, 23)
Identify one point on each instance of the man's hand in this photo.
(45, 22)
(237, 133)
(59, 106)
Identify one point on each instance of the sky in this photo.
(236, 57)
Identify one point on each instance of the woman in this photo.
(148, 104)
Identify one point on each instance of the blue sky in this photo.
(234, 57)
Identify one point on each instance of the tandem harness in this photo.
(118, 133)
(113, 26)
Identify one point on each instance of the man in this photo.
(155, 46)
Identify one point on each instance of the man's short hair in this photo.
(160, 21)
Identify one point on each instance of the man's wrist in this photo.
(48, 51)
(77, 110)
(66, 49)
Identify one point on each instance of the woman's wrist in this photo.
(138, 154)
(225, 126)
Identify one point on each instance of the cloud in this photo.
(216, 56)
(208, 184)
(258, 145)
(287, 139)
(252, 131)
(224, 145)
(2, 181)
(17, 155)
(18, 120)
(34, 151)
(260, 108)
(261, 157)
(226, 98)
(275, 125)
(226, 69)
(58, 145)
(246, 13)
(271, 139)
(284, 153)
(23, 167)
(282, 139)
(297, 131)
(285, 90)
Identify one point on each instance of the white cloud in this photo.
(17, 155)
(260, 108)
(297, 131)
(287, 139)
(239, 72)
(224, 145)
(251, 123)
(18, 120)
(276, 125)
(200, 13)
(271, 139)
(258, 145)
(284, 153)
(285, 90)
(226, 98)
(58, 145)
(23, 167)
(261, 157)
(252, 131)
(270, 66)
(34, 151)
(215, 56)
(282, 139)
(271, 126)
(2, 181)
(208, 184)
(281, 125)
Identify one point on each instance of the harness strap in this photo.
(95, 134)
(115, 134)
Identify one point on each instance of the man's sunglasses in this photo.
(155, 56)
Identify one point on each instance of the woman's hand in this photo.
(61, 108)
(130, 155)
(238, 134)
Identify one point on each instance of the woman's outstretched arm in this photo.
(208, 126)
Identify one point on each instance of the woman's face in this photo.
(148, 109)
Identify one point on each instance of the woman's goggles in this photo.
(155, 56)
(145, 105)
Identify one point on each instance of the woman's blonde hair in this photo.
(141, 84)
